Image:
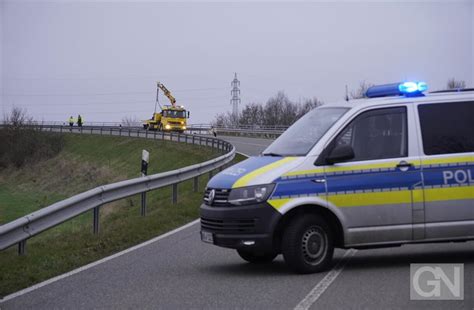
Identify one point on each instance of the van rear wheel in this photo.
(308, 244)
(257, 258)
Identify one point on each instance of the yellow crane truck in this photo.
(171, 118)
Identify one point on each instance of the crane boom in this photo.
(167, 93)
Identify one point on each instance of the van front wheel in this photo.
(257, 258)
(308, 244)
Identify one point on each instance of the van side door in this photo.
(379, 190)
(447, 134)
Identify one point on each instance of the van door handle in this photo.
(319, 180)
(404, 166)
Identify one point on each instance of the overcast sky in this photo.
(102, 59)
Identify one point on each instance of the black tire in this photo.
(257, 258)
(145, 126)
(308, 244)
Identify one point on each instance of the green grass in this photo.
(85, 162)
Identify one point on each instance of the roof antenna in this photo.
(347, 94)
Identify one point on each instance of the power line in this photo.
(105, 94)
(128, 102)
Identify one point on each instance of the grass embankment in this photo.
(86, 162)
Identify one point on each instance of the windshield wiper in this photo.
(272, 154)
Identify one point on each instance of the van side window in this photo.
(447, 127)
(377, 134)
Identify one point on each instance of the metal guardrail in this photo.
(23, 228)
(250, 129)
(262, 133)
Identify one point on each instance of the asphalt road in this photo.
(178, 271)
(248, 146)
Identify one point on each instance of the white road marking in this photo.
(242, 154)
(103, 260)
(247, 143)
(322, 286)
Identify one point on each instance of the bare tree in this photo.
(224, 120)
(252, 114)
(307, 106)
(278, 110)
(18, 117)
(455, 84)
(361, 91)
(130, 121)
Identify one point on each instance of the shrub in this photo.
(22, 142)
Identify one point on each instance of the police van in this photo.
(392, 169)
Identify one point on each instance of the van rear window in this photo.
(447, 128)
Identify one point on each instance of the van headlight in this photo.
(250, 194)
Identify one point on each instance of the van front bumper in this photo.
(240, 227)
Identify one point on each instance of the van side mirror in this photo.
(339, 154)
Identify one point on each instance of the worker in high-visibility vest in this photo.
(80, 121)
(71, 121)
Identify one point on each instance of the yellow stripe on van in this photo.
(393, 197)
(278, 203)
(373, 198)
(449, 193)
(447, 160)
(303, 172)
(246, 179)
(391, 164)
(402, 197)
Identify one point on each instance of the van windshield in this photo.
(306, 132)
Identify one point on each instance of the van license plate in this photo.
(207, 237)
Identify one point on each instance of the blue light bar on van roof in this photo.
(409, 89)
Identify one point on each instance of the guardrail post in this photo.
(146, 134)
(22, 247)
(193, 139)
(175, 194)
(196, 184)
(96, 211)
(210, 174)
(154, 135)
(163, 135)
(129, 132)
(143, 209)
